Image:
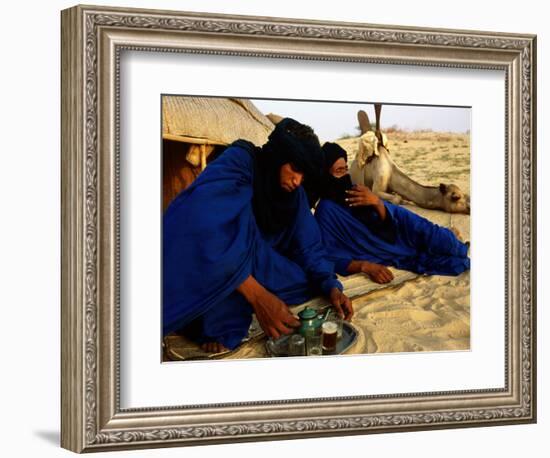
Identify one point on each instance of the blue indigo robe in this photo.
(211, 244)
(420, 246)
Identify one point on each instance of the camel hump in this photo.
(364, 123)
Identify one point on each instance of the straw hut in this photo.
(196, 129)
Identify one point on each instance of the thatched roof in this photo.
(212, 120)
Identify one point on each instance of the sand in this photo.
(427, 157)
(414, 313)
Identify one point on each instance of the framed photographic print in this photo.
(429, 314)
(278, 228)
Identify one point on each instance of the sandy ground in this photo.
(428, 157)
(413, 313)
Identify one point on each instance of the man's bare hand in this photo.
(341, 303)
(274, 316)
(377, 272)
(272, 313)
(362, 195)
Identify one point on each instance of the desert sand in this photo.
(412, 313)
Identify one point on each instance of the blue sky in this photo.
(331, 120)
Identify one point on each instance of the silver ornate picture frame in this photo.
(93, 39)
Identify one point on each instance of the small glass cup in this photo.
(330, 336)
(313, 345)
(339, 322)
(278, 347)
(296, 345)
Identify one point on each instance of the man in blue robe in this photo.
(363, 233)
(241, 240)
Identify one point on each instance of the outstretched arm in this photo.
(308, 252)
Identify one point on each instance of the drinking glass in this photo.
(296, 345)
(313, 345)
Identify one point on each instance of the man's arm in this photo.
(309, 253)
(306, 249)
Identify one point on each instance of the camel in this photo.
(374, 167)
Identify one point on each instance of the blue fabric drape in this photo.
(211, 244)
(420, 245)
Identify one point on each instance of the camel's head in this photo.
(454, 199)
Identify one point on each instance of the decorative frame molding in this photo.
(92, 40)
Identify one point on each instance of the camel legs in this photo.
(393, 198)
(379, 185)
(379, 188)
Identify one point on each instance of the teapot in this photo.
(311, 321)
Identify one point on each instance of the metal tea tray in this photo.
(279, 347)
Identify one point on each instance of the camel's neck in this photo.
(425, 196)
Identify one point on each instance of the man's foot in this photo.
(376, 272)
(213, 347)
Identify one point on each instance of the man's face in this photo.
(339, 168)
(290, 177)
